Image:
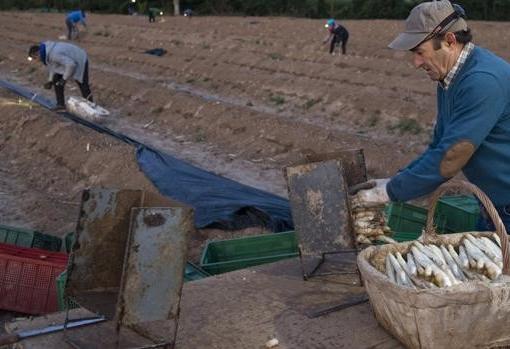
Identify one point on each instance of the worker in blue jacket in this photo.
(72, 20)
(472, 131)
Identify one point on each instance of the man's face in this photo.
(436, 63)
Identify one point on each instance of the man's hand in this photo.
(48, 85)
(60, 82)
(375, 196)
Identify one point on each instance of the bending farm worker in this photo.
(472, 130)
(64, 61)
(337, 35)
(152, 12)
(72, 20)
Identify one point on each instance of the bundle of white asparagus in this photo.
(431, 266)
(370, 225)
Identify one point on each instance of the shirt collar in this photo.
(464, 54)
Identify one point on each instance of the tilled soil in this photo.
(240, 96)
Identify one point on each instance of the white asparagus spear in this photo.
(369, 231)
(362, 239)
(443, 264)
(422, 260)
(415, 280)
(440, 276)
(472, 260)
(494, 248)
(438, 252)
(463, 257)
(465, 269)
(386, 239)
(390, 272)
(476, 253)
(410, 277)
(451, 263)
(492, 269)
(426, 250)
(399, 272)
(481, 246)
(411, 265)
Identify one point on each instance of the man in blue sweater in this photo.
(72, 20)
(472, 132)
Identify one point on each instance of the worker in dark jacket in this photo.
(64, 62)
(472, 130)
(153, 12)
(72, 20)
(337, 35)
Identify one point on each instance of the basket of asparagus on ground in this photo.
(443, 291)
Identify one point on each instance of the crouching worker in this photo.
(64, 61)
(337, 35)
(72, 20)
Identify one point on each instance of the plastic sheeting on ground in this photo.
(218, 201)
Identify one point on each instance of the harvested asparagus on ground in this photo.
(429, 265)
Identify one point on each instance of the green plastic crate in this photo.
(194, 272)
(227, 255)
(459, 212)
(403, 236)
(16, 236)
(68, 242)
(62, 301)
(29, 238)
(46, 242)
(407, 218)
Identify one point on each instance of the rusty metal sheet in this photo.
(320, 209)
(154, 265)
(96, 264)
(353, 162)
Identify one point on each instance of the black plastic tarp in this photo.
(217, 201)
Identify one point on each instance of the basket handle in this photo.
(486, 202)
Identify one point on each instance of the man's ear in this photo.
(450, 39)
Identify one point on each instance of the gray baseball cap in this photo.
(426, 18)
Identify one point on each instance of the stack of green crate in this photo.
(453, 214)
(227, 255)
(407, 221)
(29, 238)
(460, 212)
(16, 236)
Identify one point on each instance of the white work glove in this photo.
(375, 196)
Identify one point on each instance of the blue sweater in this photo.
(475, 108)
(76, 16)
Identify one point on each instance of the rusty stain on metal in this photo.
(153, 219)
(315, 203)
(320, 209)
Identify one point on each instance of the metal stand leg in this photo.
(314, 273)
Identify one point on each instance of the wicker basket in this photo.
(473, 314)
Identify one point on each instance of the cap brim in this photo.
(407, 41)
